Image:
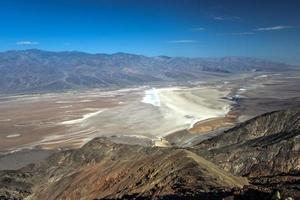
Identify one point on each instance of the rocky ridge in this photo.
(265, 149)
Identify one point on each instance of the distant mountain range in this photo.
(40, 71)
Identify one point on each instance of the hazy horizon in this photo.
(267, 29)
(152, 56)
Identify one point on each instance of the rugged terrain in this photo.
(265, 149)
(44, 71)
(102, 169)
(249, 161)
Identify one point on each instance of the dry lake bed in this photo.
(147, 114)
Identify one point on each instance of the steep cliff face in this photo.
(266, 149)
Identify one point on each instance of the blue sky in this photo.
(192, 28)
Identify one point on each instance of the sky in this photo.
(190, 28)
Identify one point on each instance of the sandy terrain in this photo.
(73, 118)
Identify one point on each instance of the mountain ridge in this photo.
(102, 169)
(46, 71)
(265, 149)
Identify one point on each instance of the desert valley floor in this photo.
(148, 115)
